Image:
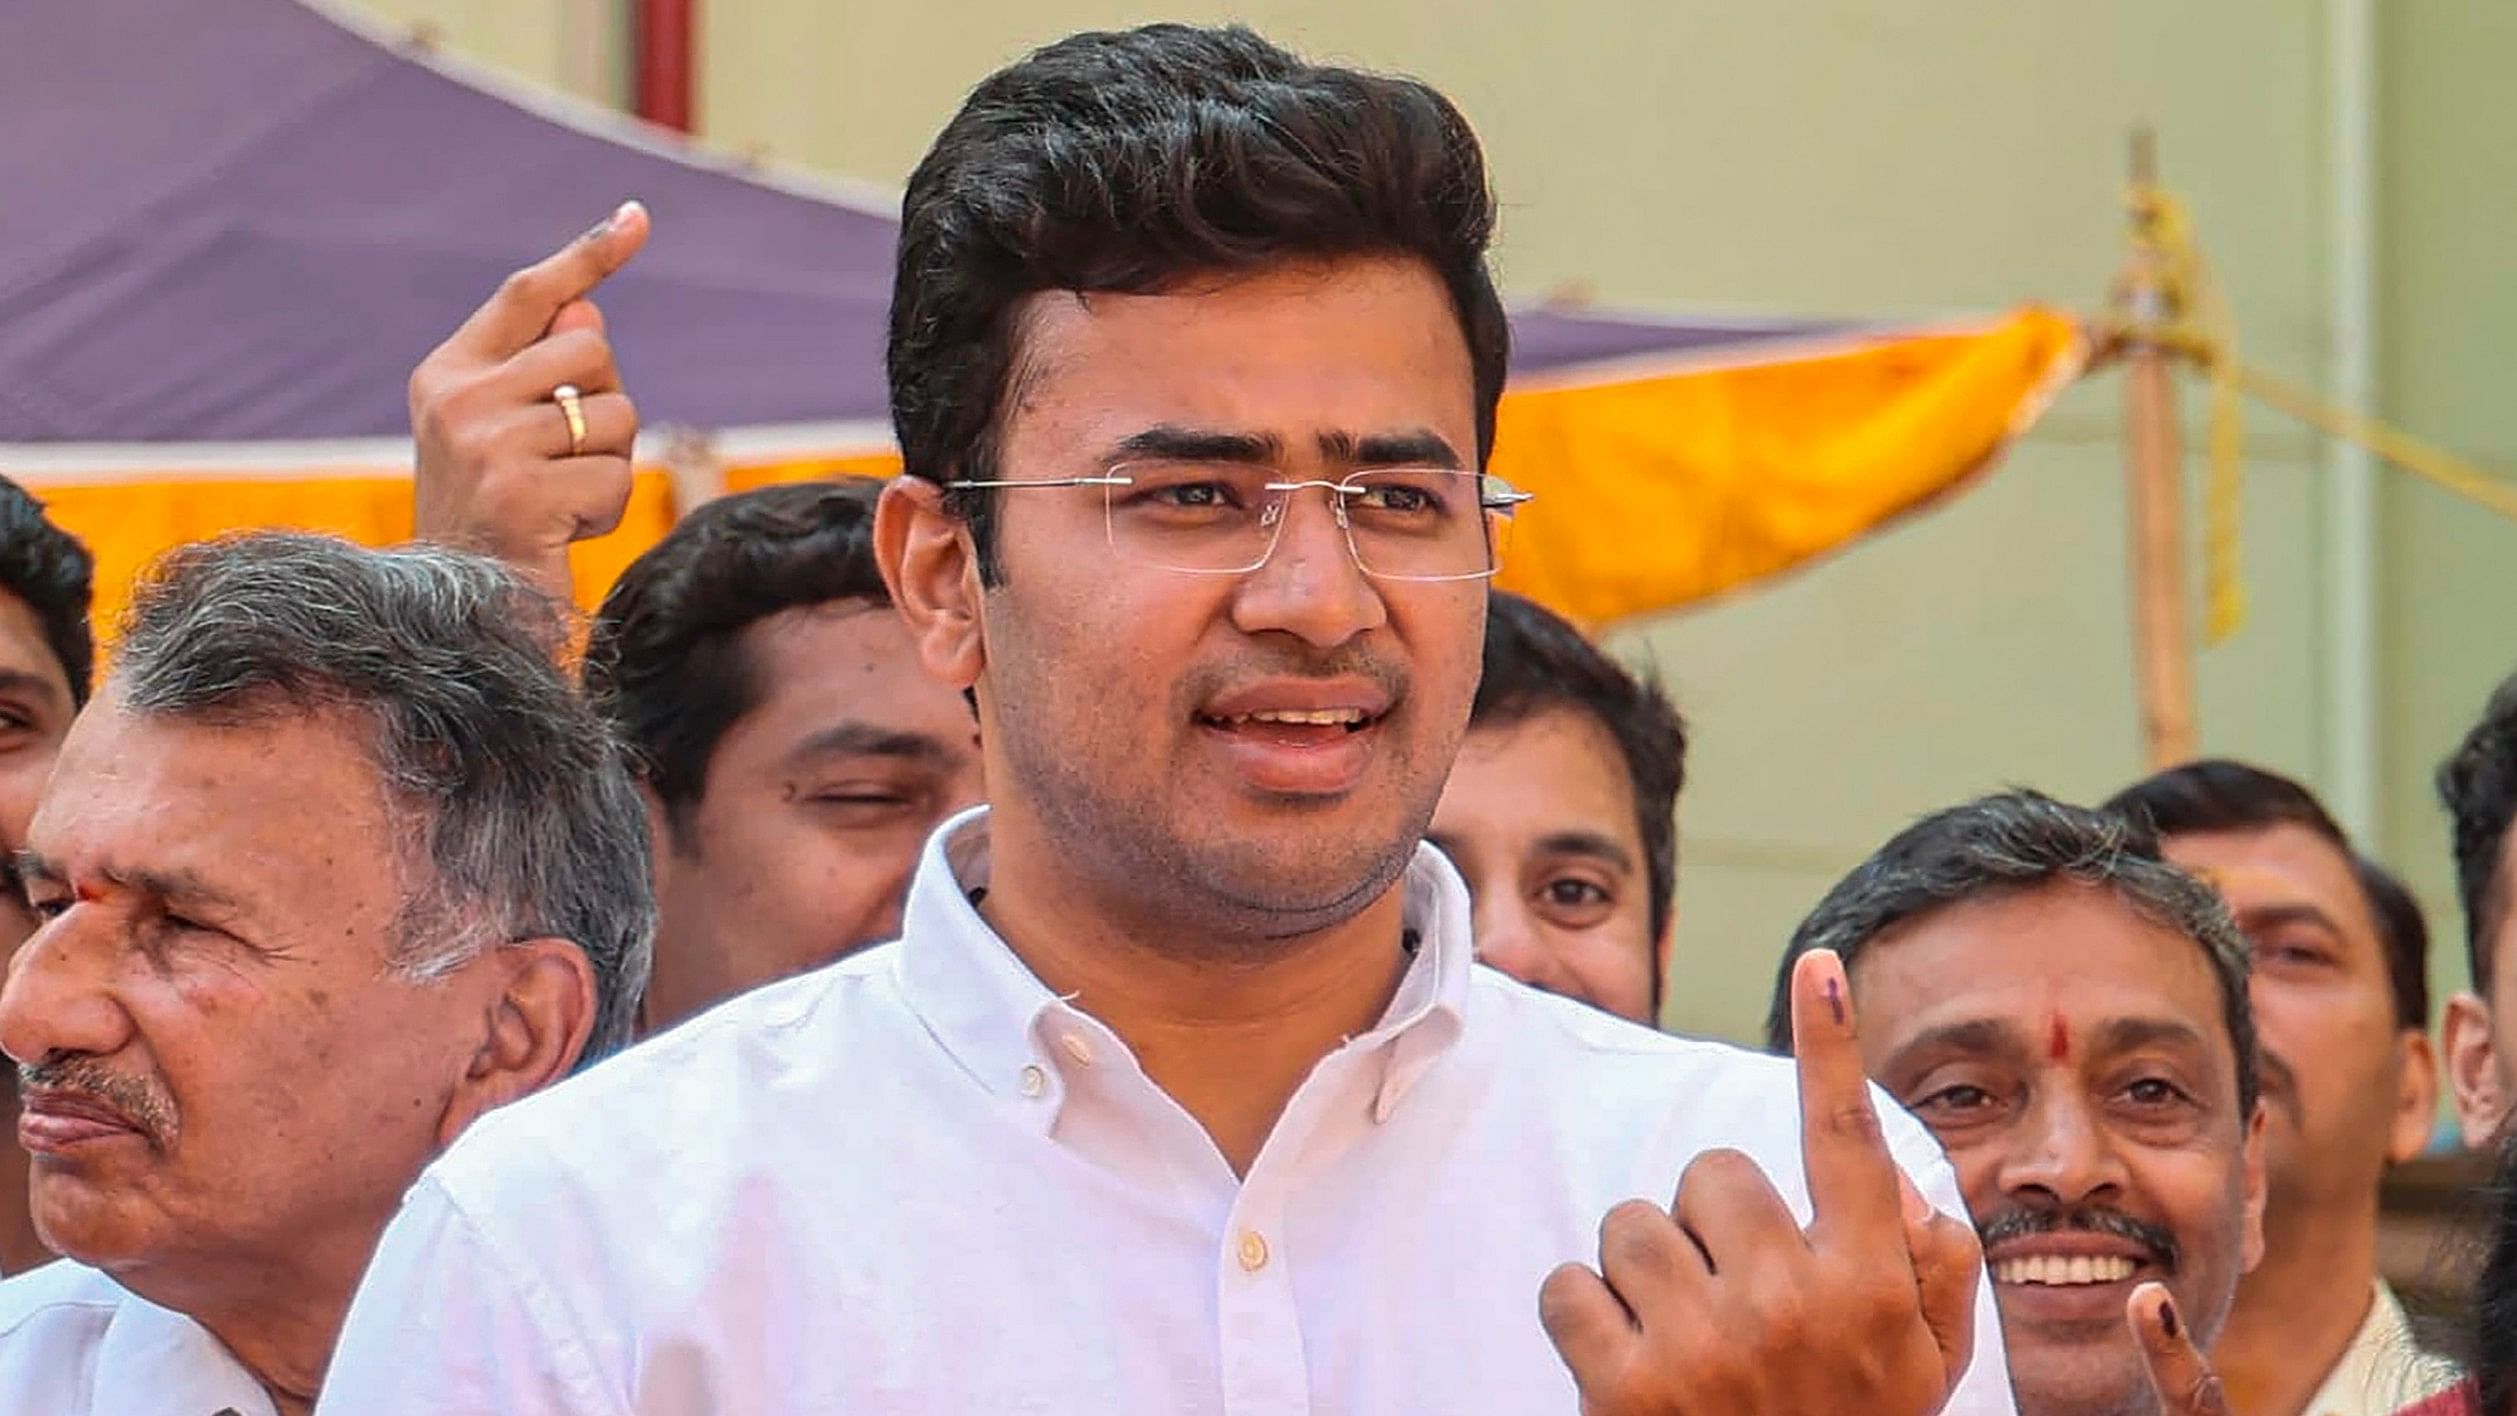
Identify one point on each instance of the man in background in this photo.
(336, 863)
(2068, 1013)
(791, 753)
(2478, 785)
(2340, 987)
(1560, 812)
(46, 655)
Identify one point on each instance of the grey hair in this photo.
(524, 822)
(2006, 843)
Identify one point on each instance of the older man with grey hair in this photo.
(2068, 1013)
(335, 863)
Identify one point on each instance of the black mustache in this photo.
(2022, 1223)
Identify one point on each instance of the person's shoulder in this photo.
(663, 1101)
(60, 1294)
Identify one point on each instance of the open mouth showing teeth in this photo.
(2056, 1271)
(1351, 719)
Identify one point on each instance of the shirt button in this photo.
(1077, 1048)
(1035, 1082)
(1253, 1251)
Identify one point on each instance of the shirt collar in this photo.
(988, 1010)
(155, 1359)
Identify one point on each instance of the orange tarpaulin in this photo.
(1655, 492)
(1656, 487)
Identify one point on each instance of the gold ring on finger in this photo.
(572, 407)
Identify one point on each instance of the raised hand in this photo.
(2179, 1372)
(503, 469)
(1723, 1304)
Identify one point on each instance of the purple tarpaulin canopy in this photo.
(244, 219)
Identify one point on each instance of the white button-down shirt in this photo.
(916, 1181)
(75, 1343)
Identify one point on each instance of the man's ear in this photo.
(2416, 1095)
(539, 1018)
(928, 564)
(2251, 1246)
(2473, 1070)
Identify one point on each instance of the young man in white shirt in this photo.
(1180, 1092)
(334, 863)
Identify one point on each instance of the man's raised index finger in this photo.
(1852, 1178)
(524, 305)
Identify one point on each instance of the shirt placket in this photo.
(1259, 1325)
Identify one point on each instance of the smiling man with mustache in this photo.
(2069, 1015)
(335, 863)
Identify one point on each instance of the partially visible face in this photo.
(2480, 1033)
(35, 711)
(2337, 1105)
(218, 1068)
(814, 809)
(1539, 817)
(1147, 723)
(2072, 1058)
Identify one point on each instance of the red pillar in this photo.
(661, 41)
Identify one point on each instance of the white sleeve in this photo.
(1985, 1389)
(443, 1326)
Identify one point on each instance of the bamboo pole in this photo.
(2154, 480)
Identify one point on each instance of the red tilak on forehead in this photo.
(2059, 1041)
(86, 894)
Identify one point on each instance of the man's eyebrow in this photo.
(1414, 447)
(21, 681)
(1172, 442)
(2125, 1034)
(2273, 916)
(1982, 1037)
(179, 886)
(857, 739)
(1590, 844)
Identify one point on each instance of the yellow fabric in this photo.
(1658, 492)
(1653, 492)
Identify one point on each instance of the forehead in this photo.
(1356, 345)
(288, 808)
(852, 659)
(2286, 864)
(2068, 952)
(1557, 771)
(23, 648)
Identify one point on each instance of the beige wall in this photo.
(1851, 158)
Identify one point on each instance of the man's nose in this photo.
(59, 995)
(1508, 940)
(2063, 1152)
(1310, 586)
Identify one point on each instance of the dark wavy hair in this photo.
(1131, 161)
(53, 573)
(1535, 660)
(664, 663)
(2478, 785)
(1999, 845)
